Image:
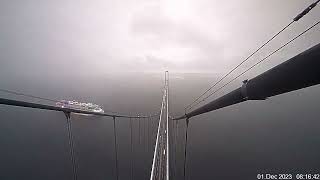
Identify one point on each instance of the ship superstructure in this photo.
(80, 106)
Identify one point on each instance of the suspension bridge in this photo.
(299, 72)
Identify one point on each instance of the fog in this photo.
(114, 53)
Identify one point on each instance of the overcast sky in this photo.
(46, 38)
(99, 36)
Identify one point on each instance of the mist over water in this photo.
(279, 135)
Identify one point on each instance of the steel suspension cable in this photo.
(236, 67)
(175, 145)
(144, 135)
(185, 150)
(71, 147)
(54, 100)
(115, 147)
(144, 146)
(139, 145)
(131, 147)
(148, 136)
(254, 65)
(135, 152)
(297, 18)
(28, 95)
(139, 132)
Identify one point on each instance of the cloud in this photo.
(180, 42)
(124, 35)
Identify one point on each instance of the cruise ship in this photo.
(80, 106)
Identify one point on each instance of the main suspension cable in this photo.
(297, 18)
(27, 95)
(265, 58)
(56, 100)
(191, 105)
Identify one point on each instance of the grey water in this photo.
(278, 135)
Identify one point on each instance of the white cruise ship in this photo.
(80, 106)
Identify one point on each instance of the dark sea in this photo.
(280, 135)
